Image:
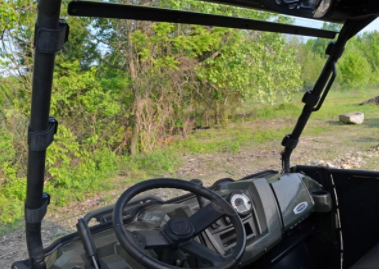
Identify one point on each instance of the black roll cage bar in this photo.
(50, 35)
(134, 12)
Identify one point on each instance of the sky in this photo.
(318, 24)
(373, 26)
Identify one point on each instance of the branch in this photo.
(122, 68)
(214, 55)
(15, 68)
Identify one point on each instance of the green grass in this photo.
(225, 139)
(344, 102)
(241, 133)
(5, 228)
(231, 139)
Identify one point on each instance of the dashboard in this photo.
(268, 206)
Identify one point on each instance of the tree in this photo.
(355, 69)
(319, 45)
(368, 44)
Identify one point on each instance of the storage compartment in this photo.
(229, 237)
(323, 201)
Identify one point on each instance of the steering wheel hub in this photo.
(180, 226)
(179, 230)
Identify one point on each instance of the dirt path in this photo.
(327, 149)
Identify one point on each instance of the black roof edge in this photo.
(133, 12)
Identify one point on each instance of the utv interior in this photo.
(302, 217)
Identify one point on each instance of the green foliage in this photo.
(319, 45)
(12, 188)
(313, 65)
(78, 90)
(7, 151)
(355, 69)
(368, 44)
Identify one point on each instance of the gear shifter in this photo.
(199, 198)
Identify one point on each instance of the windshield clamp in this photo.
(289, 142)
(37, 215)
(51, 40)
(310, 99)
(334, 50)
(39, 141)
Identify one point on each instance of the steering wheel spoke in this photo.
(195, 249)
(149, 239)
(205, 217)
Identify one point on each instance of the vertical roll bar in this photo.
(48, 17)
(312, 98)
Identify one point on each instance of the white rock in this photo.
(346, 166)
(352, 118)
(330, 165)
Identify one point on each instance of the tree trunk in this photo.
(133, 75)
(134, 138)
(217, 113)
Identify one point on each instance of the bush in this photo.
(355, 69)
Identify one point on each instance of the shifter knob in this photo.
(200, 183)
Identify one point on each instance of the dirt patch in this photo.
(13, 244)
(374, 100)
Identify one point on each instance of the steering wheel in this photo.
(177, 233)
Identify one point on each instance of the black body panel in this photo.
(358, 205)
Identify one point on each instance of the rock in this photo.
(346, 166)
(330, 165)
(352, 118)
(359, 159)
